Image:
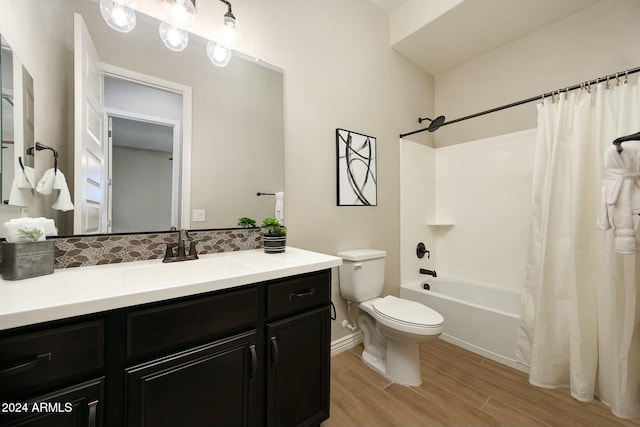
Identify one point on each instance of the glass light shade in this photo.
(218, 54)
(173, 37)
(230, 34)
(117, 15)
(122, 2)
(180, 13)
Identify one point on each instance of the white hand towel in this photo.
(279, 213)
(54, 180)
(22, 187)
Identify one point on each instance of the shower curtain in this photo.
(580, 322)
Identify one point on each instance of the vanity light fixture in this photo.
(220, 53)
(117, 15)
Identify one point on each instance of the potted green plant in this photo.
(246, 222)
(274, 236)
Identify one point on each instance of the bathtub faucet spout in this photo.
(429, 272)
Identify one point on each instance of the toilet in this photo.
(392, 327)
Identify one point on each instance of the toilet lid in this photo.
(406, 311)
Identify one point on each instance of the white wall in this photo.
(142, 185)
(418, 207)
(484, 188)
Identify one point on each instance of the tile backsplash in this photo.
(80, 251)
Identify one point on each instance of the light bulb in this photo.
(218, 54)
(174, 38)
(180, 13)
(230, 35)
(117, 15)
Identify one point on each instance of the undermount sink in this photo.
(183, 271)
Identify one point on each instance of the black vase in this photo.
(274, 244)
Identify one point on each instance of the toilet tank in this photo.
(361, 274)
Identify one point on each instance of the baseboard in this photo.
(345, 343)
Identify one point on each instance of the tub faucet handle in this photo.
(421, 250)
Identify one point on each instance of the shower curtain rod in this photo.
(534, 98)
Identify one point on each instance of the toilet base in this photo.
(402, 365)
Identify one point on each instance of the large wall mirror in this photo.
(182, 142)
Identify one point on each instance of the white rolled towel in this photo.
(55, 180)
(22, 187)
(279, 211)
(17, 229)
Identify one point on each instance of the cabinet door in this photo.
(299, 370)
(78, 406)
(210, 385)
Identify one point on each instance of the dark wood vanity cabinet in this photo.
(298, 365)
(257, 355)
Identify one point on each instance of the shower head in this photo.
(435, 123)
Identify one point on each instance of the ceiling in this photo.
(142, 135)
(442, 34)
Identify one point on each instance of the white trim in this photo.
(345, 343)
(177, 151)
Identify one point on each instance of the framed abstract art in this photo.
(356, 169)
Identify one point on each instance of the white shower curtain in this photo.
(580, 323)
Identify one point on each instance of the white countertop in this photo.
(83, 290)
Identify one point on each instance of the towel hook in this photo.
(39, 147)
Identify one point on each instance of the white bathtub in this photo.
(479, 317)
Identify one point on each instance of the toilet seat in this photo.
(407, 316)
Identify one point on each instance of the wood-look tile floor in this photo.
(459, 388)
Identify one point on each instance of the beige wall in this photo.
(601, 40)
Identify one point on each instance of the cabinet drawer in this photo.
(31, 360)
(298, 294)
(171, 325)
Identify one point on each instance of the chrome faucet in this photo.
(180, 254)
(429, 272)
